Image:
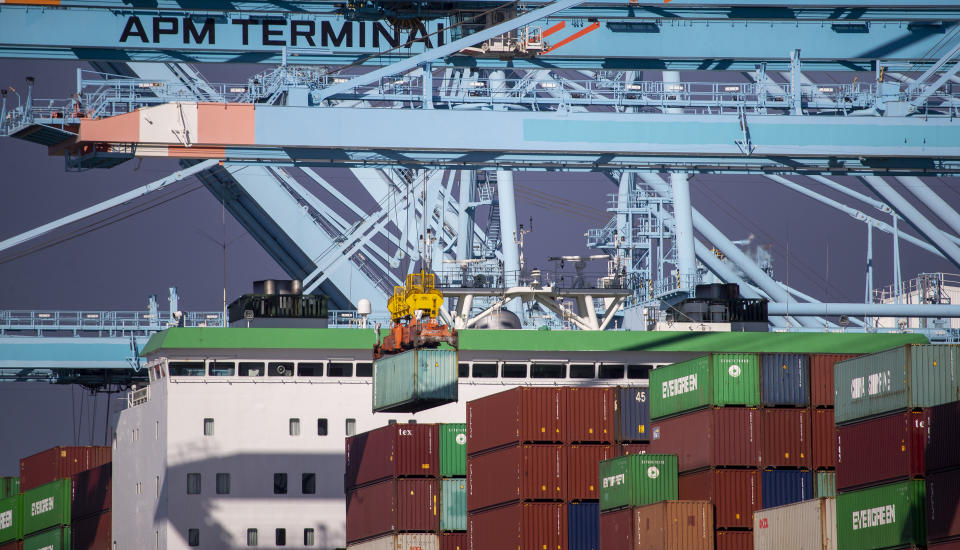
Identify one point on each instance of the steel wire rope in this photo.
(935, 48)
(559, 200)
(536, 201)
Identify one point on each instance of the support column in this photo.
(465, 216)
(683, 217)
(508, 231)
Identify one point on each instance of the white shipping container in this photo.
(807, 525)
(402, 541)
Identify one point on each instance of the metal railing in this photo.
(138, 396)
(109, 323)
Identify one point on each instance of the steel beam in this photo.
(932, 201)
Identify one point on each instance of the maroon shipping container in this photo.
(583, 470)
(823, 435)
(711, 437)
(734, 540)
(589, 415)
(616, 530)
(90, 491)
(91, 533)
(785, 438)
(515, 416)
(943, 505)
(394, 505)
(13, 545)
(821, 377)
(633, 448)
(735, 494)
(521, 472)
(453, 541)
(949, 545)
(943, 445)
(521, 526)
(59, 463)
(397, 450)
(881, 450)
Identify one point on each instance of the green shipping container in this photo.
(453, 450)
(53, 539)
(46, 506)
(9, 486)
(638, 479)
(11, 519)
(415, 380)
(715, 379)
(908, 377)
(453, 504)
(889, 516)
(826, 485)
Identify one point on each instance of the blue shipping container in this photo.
(583, 525)
(633, 414)
(781, 487)
(786, 379)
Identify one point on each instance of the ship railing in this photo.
(350, 318)
(138, 396)
(110, 323)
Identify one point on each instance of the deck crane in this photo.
(414, 313)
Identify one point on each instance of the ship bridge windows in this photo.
(548, 370)
(310, 369)
(187, 368)
(638, 371)
(582, 370)
(339, 369)
(248, 368)
(463, 370)
(514, 370)
(220, 368)
(365, 370)
(610, 372)
(484, 370)
(284, 368)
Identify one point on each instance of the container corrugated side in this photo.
(590, 416)
(632, 448)
(9, 486)
(415, 380)
(716, 379)
(782, 487)
(401, 541)
(785, 436)
(889, 516)
(522, 472)
(583, 470)
(880, 450)
(59, 463)
(632, 414)
(453, 541)
(734, 540)
(821, 377)
(616, 530)
(11, 518)
(635, 480)
(583, 525)
(520, 415)
(92, 532)
(943, 505)
(90, 491)
(46, 506)
(453, 450)
(396, 450)
(726, 436)
(823, 439)
(15, 545)
(826, 484)
(392, 505)
(907, 377)
(786, 379)
(57, 538)
(453, 504)
(808, 525)
(522, 526)
(943, 445)
(948, 545)
(674, 525)
(735, 494)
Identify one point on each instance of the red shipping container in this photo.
(91, 533)
(14, 545)
(823, 435)
(453, 541)
(397, 450)
(515, 416)
(583, 470)
(633, 448)
(711, 437)
(522, 526)
(735, 494)
(785, 438)
(616, 530)
(881, 450)
(821, 377)
(949, 545)
(521, 472)
(943, 445)
(589, 415)
(943, 505)
(734, 540)
(59, 463)
(90, 491)
(394, 505)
